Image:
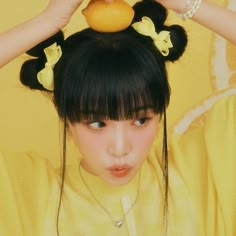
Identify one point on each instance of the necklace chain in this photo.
(117, 223)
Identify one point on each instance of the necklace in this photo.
(120, 222)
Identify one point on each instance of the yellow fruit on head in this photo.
(111, 16)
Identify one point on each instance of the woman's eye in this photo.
(96, 124)
(141, 121)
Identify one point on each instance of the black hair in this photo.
(111, 75)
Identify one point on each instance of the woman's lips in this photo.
(120, 171)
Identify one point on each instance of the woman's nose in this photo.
(119, 145)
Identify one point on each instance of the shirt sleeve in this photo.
(205, 158)
(26, 182)
(220, 139)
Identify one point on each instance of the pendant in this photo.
(119, 223)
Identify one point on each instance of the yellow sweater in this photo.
(202, 190)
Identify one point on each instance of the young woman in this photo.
(111, 92)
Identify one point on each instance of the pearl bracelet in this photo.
(191, 11)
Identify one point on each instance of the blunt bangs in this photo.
(112, 79)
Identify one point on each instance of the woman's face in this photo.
(115, 150)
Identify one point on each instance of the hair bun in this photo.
(151, 9)
(28, 73)
(30, 68)
(158, 14)
(179, 40)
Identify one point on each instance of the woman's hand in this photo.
(60, 11)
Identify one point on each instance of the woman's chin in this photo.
(119, 180)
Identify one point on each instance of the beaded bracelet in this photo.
(187, 4)
(191, 11)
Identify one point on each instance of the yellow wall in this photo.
(28, 120)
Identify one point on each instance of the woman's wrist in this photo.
(190, 9)
(45, 25)
(58, 13)
(52, 21)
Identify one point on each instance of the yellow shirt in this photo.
(202, 190)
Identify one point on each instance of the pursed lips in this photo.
(120, 170)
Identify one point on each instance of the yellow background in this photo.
(28, 120)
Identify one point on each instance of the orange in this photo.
(111, 16)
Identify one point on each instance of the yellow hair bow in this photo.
(46, 75)
(162, 40)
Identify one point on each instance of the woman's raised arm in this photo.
(24, 36)
(214, 17)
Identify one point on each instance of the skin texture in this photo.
(56, 15)
(110, 144)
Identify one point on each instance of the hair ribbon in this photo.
(162, 40)
(46, 76)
